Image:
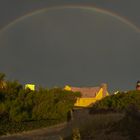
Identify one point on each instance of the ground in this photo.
(81, 119)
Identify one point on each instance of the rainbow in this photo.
(81, 7)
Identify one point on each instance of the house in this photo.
(116, 92)
(30, 86)
(138, 85)
(89, 95)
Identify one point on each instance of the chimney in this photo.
(105, 87)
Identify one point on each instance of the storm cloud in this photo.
(71, 46)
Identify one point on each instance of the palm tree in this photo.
(2, 84)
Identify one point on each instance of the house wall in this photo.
(30, 86)
(87, 102)
(67, 88)
(84, 102)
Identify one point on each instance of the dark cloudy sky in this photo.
(74, 46)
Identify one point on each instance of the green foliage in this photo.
(53, 104)
(19, 105)
(118, 102)
(14, 127)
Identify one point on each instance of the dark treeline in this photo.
(22, 106)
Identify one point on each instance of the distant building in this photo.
(116, 92)
(138, 85)
(89, 95)
(30, 86)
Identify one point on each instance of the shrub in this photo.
(118, 102)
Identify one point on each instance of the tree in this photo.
(2, 76)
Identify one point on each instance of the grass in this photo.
(14, 127)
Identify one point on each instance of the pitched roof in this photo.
(86, 91)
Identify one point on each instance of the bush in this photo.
(19, 105)
(118, 102)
